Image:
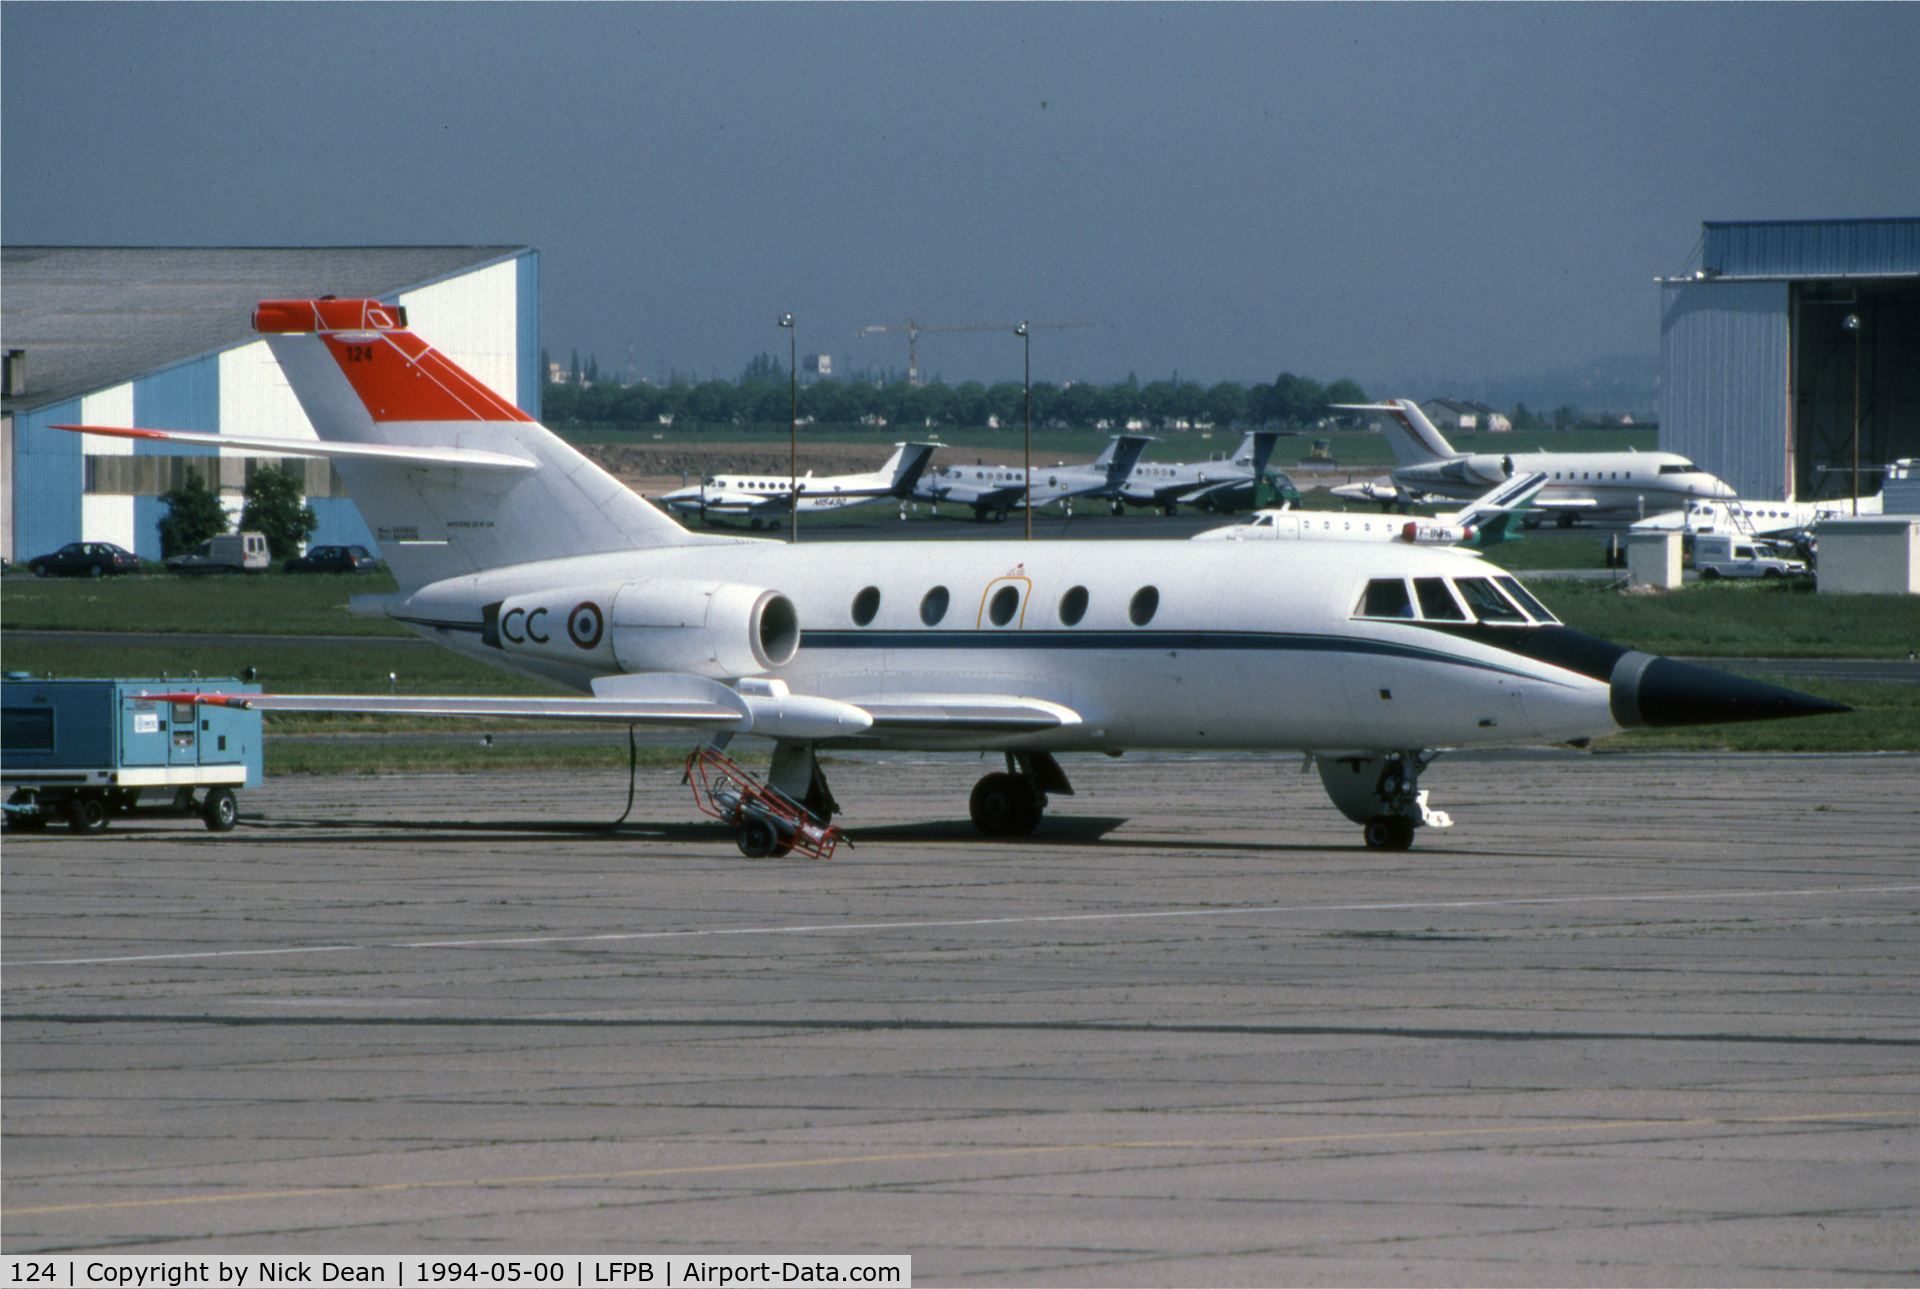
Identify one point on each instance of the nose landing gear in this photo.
(1382, 794)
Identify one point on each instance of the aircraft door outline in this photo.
(999, 613)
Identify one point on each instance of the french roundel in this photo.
(584, 624)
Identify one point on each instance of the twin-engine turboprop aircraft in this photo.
(511, 547)
(764, 498)
(996, 489)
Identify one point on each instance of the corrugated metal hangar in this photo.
(161, 339)
(1790, 355)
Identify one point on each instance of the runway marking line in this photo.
(977, 1152)
(950, 924)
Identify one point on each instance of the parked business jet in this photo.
(758, 498)
(1224, 483)
(1580, 485)
(1486, 522)
(993, 490)
(511, 547)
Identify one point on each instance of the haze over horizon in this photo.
(1387, 192)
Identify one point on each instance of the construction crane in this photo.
(913, 328)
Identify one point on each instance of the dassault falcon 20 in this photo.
(512, 548)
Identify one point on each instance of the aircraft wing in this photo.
(656, 699)
(399, 454)
(673, 701)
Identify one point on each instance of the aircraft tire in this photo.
(1004, 805)
(220, 810)
(1388, 832)
(756, 839)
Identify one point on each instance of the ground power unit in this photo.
(84, 751)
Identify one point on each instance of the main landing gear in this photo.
(1382, 794)
(1010, 803)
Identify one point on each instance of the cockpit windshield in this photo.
(1500, 601)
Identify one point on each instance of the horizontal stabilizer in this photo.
(445, 458)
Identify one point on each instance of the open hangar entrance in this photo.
(1790, 355)
(1856, 383)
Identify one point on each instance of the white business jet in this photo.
(1580, 485)
(511, 547)
(764, 498)
(1488, 521)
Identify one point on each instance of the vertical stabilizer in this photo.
(908, 463)
(1413, 438)
(362, 377)
(1121, 455)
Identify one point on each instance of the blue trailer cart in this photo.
(84, 751)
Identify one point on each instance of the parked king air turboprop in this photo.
(759, 498)
(1486, 522)
(1213, 485)
(996, 489)
(1580, 485)
(511, 547)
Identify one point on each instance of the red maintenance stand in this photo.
(767, 820)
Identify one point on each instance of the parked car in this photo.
(1718, 557)
(227, 553)
(333, 559)
(85, 559)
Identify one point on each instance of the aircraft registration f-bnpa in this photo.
(512, 548)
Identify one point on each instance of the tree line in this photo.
(762, 394)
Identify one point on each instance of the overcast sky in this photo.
(1223, 191)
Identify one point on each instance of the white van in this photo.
(1718, 557)
(227, 553)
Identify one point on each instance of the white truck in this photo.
(227, 553)
(1715, 557)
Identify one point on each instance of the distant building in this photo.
(1780, 341)
(162, 339)
(1454, 414)
(819, 366)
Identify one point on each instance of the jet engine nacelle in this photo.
(714, 629)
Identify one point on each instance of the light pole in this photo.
(793, 426)
(1852, 324)
(1026, 342)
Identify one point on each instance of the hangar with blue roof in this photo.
(1790, 355)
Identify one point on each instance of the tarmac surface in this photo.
(1634, 1020)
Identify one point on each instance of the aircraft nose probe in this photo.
(1646, 691)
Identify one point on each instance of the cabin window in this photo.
(933, 606)
(1073, 606)
(1525, 599)
(1436, 602)
(1386, 597)
(865, 606)
(1145, 603)
(1486, 601)
(1000, 609)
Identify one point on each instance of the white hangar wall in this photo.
(1725, 396)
